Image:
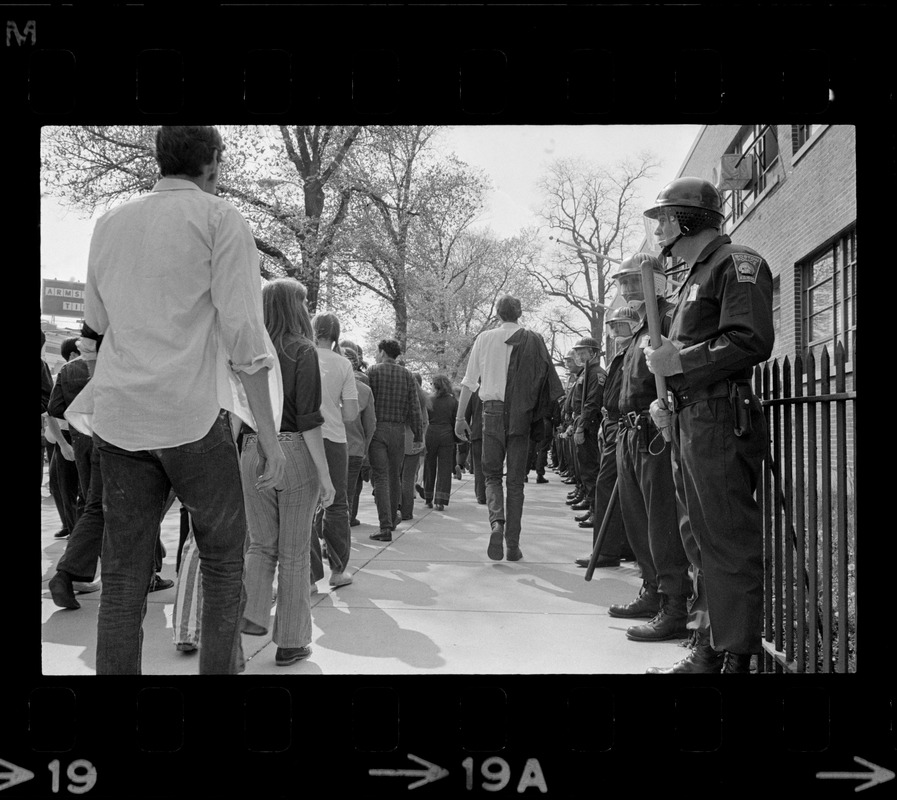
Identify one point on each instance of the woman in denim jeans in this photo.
(280, 519)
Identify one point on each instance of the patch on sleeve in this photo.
(747, 267)
(601, 378)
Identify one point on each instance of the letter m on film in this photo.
(30, 30)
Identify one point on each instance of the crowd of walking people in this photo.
(264, 424)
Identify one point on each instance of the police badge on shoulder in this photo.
(747, 267)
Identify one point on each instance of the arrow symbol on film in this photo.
(877, 775)
(10, 775)
(433, 772)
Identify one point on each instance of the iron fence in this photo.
(808, 499)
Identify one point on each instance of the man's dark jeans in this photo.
(354, 483)
(206, 477)
(333, 522)
(387, 454)
(498, 447)
(86, 541)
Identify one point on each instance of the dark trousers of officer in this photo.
(589, 456)
(648, 505)
(614, 537)
(574, 457)
(715, 474)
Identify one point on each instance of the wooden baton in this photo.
(602, 532)
(654, 328)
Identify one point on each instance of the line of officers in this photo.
(678, 473)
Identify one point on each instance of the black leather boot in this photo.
(669, 623)
(645, 606)
(576, 499)
(737, 664)
(703, 659)
(583, 517)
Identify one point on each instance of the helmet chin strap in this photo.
(667, 250)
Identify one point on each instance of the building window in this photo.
(801, 134)
(760, 144)
(829, 307)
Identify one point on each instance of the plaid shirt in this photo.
(395, 396)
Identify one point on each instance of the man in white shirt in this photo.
(517, 385)
(173, 284)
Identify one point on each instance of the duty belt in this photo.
(714, 390)
(633, 420)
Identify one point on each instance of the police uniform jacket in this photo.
(612, 387)
(722, 323)
(570, 404)
(638, 387)
(593, 380)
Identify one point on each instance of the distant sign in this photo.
(62, 299)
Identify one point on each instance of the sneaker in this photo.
(284, 656)
(338, 579)
(159, 583)
(439, 507)
(514, 553)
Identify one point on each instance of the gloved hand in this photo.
(661, 414)
(665, 360)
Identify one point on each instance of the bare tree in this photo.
(591, 212)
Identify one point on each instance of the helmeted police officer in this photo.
(722, 327)
(619, 323)
(645, 478)
(572, 407)
(586, 428)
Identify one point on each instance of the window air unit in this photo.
(735, 175)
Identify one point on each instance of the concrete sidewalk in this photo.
(428, 602)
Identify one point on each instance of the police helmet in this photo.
(633, 266)
(587, 341)
(622, 315)
(697, 204)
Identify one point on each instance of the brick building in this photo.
(790, 193)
